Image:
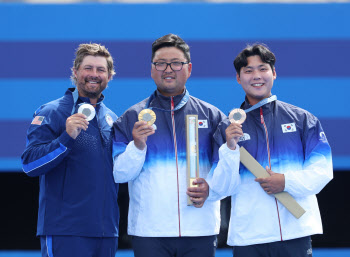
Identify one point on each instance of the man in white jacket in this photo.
(291, 144)
(153, 162)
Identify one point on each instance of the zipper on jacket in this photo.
(269, 157)
(104, 173)
(177, 166)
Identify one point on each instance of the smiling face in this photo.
(256, 79)
(92, 77)
(169, 82)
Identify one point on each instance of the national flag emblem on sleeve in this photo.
(38, 120)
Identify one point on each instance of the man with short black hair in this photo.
(153, 160)
(291, 144)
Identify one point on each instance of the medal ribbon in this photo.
(75, 95)
(261, 103)
(183, 101)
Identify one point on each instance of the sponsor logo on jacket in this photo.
(245, 137)
(323, 137)
(109, 120)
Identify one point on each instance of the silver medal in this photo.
(88, 110)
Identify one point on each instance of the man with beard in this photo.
(69, 147)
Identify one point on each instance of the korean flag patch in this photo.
(289, 127)
(202, 124)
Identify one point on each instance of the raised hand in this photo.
(233, 133)
(140, 133)
(75, 123)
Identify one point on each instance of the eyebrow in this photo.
(173, 59)
(91, 65)
(261, 65)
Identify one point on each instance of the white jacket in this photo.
(156, 176)
(292, 140)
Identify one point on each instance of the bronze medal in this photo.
(237, 116)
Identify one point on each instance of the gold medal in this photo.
(237, 116)
(147, 115)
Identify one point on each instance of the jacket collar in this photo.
(163, 103)
(266, 104)
(78, 100)
(74, 92)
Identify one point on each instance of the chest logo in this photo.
(202, 124)
(289, 127)
(109, 120)
(323, 137)
(245, 137)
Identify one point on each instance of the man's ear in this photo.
(75, 72)
(238, 78)
(189, 69)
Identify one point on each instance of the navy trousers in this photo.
(300, 247)
(75, 246)
(203, 246)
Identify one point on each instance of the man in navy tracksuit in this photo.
(78, 210)
(291, 144)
